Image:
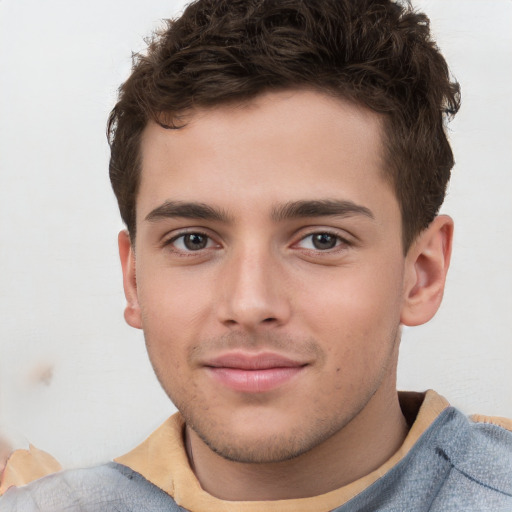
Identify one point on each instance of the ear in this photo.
(427, 263)
(127, 256)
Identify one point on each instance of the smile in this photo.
(249, 373)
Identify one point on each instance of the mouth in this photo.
(253, 373)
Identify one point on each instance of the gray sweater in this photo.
(455, 466)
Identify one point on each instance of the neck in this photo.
(363, 445)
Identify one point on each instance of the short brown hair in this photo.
(377, 53)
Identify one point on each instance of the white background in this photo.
(74, 380)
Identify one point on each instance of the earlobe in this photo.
(127, 256)
(427, 263)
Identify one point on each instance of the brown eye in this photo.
(324, 241)
(321, 241)
(190, 242)
(195, 241)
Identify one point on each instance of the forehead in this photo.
(281, 146)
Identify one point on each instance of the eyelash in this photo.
(171, 241)
(339, 241)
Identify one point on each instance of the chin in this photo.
(263, 450)
(263, 442)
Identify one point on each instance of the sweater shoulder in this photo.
(107, 488)
(482, 451)
(505, 423)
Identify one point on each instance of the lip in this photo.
(253, 373)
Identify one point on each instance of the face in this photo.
(268, 272)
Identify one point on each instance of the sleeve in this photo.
(22, 502)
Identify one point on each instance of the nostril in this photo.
(269, 320)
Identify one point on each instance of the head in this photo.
(378, 54)
(279, 166)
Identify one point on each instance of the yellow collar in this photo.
(162, 460)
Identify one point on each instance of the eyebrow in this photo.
(290, 210)
(186, 210)
(319, 208)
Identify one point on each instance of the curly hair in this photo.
(376, 53)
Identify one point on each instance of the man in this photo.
(279, 167)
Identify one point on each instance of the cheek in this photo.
(358, 301)
(175, 310)
(355, 314)
(173, 304)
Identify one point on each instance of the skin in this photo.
(262, 283)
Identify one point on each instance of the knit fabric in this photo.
(455, 465)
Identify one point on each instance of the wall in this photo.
(74, 379)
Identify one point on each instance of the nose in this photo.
(254, 291)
